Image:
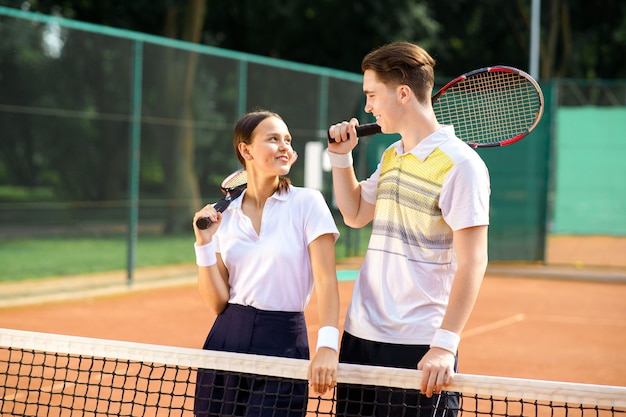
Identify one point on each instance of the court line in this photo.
(596, 321)
(547, 317)
(494, 325)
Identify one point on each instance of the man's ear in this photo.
(404, 93)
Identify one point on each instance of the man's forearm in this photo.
(347, 193)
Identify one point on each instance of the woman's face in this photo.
(270, 149)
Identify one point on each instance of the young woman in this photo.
(258, 263)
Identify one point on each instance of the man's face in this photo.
(381, 101)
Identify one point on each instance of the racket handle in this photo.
(368, 129)
(203, 223)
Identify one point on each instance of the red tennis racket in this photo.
(488, 107)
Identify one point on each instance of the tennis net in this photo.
(56, 375)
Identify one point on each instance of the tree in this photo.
(579, 39)
(178, 155)
(97, 177)
(329, 33)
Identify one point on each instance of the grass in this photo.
(41, 257)
(25, 258)
(25, 194)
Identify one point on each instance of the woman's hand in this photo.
(323, 370)
(204, 236)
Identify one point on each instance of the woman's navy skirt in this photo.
(245, 329)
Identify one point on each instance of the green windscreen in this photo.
(591, 175)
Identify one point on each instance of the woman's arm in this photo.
(323, 368)
(212, 273)
(213, 285)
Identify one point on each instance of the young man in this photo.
(429, 204)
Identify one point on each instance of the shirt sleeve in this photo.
(370, 186)
(465, 195)
(318, 218)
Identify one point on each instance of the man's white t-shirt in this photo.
(422, 196)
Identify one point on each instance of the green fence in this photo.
(111, 131)
(105, 129)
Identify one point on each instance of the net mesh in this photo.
(495, 107)
(54, 375)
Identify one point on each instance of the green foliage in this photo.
(462, 34)
(328, 33)
(25, 194)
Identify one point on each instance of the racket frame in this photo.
(506, 69)
(230, 193)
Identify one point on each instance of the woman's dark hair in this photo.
(243, 134)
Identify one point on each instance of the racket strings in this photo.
(490, 107)
(237, 179)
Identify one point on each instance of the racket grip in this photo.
(203, 223)
(368, 129)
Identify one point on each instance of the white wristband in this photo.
(328, 336)
(445, 339)
(205, 254)
(340, 160)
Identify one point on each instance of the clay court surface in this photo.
(524, 325)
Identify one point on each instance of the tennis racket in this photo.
(488, 107)
(232, 186)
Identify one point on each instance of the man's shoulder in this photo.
(460, 151)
